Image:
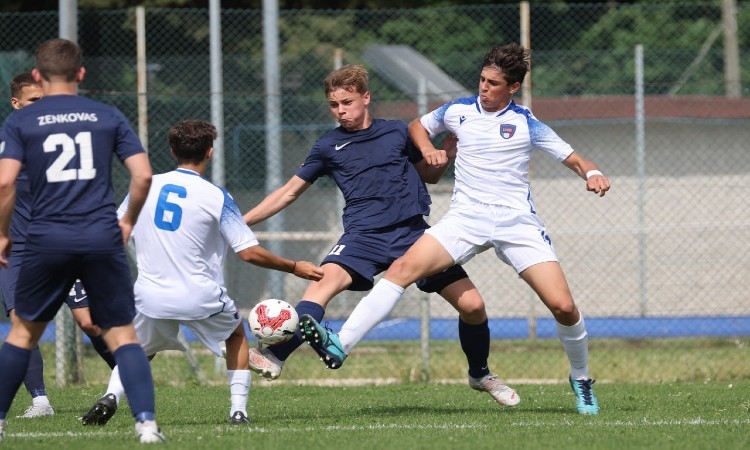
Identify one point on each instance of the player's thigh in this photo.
(106, 279)
(215, 329)
(335, 280)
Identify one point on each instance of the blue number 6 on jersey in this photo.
(168, 214)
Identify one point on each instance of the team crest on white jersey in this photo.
(507, 130)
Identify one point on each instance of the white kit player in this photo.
(181, 239)
(492, 205)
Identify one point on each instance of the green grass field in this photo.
(411, 416)
(693, 394)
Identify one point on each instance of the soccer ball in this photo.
(273, 321)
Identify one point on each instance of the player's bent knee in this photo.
(473, 313)
(403, 272)
(116, 337)
(565, 312)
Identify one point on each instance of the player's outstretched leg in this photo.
(101, 412)
(265, 363)
(325, 343)
(586, 402)
(492, 385)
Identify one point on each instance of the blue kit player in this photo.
(66, 144)
(382, 177)
(24, 91)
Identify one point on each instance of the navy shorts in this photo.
(8, 279)
(45, 279)
(366, 254)
(77, 297)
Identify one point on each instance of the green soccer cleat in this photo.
(585, 397)
(325, 343)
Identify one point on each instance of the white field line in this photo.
(335, 382)
(697, 422)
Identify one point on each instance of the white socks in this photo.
(40, 400)
(239, 389)
(115, 385)
(575, 341)
(369, 312)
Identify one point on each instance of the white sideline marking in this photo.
(446, 426)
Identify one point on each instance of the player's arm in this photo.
(421, 137)
(140, 182)
(431, 174)
(277, 200)
(595, 181)
(9, 169)
(261, 257)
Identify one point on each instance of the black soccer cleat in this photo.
(238, 418)
(101, 412)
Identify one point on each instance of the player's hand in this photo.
(598, 184)
(435, 158)
(5, 245)
(308, 271)
(127, 229)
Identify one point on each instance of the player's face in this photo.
(29, 94)
(349, 108)
(494, 90)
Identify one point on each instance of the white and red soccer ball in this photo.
(273, 321)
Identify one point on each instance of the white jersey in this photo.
(181, 238)
(494, 149)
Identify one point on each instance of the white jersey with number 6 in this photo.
(181, 238)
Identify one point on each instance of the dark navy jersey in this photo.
(66, 144)
(375, 172)
(22, 211)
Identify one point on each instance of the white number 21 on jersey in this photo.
(82, 142)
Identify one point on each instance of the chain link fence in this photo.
(661, 256)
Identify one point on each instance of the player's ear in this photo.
(81, 74)
(36, 75)
(14, 103)
(210, 152)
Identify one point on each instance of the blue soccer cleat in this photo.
(325, 343)
(585, 397)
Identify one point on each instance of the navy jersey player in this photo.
(380, 174)
(66, 144)
(492, 206)
(24, 91)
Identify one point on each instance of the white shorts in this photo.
(157, 335)
(518, 237)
